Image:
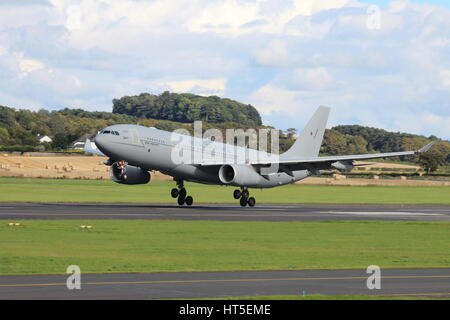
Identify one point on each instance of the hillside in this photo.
(187, 108)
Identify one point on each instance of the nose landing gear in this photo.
(243, 195)
(181, 194)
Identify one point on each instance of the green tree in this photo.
(431, 160)
(60, 141)
(4, 137)
(187, 108)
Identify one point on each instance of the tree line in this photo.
(19, 128)
(187, 108)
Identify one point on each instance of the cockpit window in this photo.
(109, 132)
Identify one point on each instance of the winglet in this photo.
(88, 148)
(426, 148)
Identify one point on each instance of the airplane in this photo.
(134, 150)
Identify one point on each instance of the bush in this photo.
(18, 148)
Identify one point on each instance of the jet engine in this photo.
(238, 175)
(130, 175)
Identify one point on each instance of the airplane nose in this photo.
(98, 140)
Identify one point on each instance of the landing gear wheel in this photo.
(181, 200)
(237, 194)
(174, 192)
(189, 200)
(243, 202)
(244, 193)
(183, 193)
(251, 201)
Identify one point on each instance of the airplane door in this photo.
(134, 136)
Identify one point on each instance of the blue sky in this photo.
(386, 65)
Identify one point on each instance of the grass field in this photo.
(48, 190)
(48, 247)
(326, 297)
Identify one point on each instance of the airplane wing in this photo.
(322, 163)
(340, 161)
(89, 148)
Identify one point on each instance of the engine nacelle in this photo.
(131, 175)
(343, 165)
(238, 175)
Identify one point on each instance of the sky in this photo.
(384, 64)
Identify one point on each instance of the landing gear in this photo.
(189, 200)
(243, 195)
(181, 194)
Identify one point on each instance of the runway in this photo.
(300, 212)
(394, 282)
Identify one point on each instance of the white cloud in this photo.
(199, 86)
(27, 65)
(426, 122)
(225, 16)
(285, 57)
(311, 79)
(271, 99)
(308, 7)
(445, 78)
(274, 54)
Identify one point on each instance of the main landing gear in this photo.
(243, 195)
(181, 194)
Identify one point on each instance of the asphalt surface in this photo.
(394, 282)
(414, 282)
(310, 212)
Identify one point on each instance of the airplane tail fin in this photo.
(310, 139)
(89, 148)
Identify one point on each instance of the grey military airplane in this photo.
(134, 150)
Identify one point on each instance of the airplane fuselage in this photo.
(153, 149)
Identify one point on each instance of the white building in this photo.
(79, 143)
(44, 139)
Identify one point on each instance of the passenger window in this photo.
(106, 132)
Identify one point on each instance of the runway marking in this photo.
(430, 210)
(381, 213)
(218, 280)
